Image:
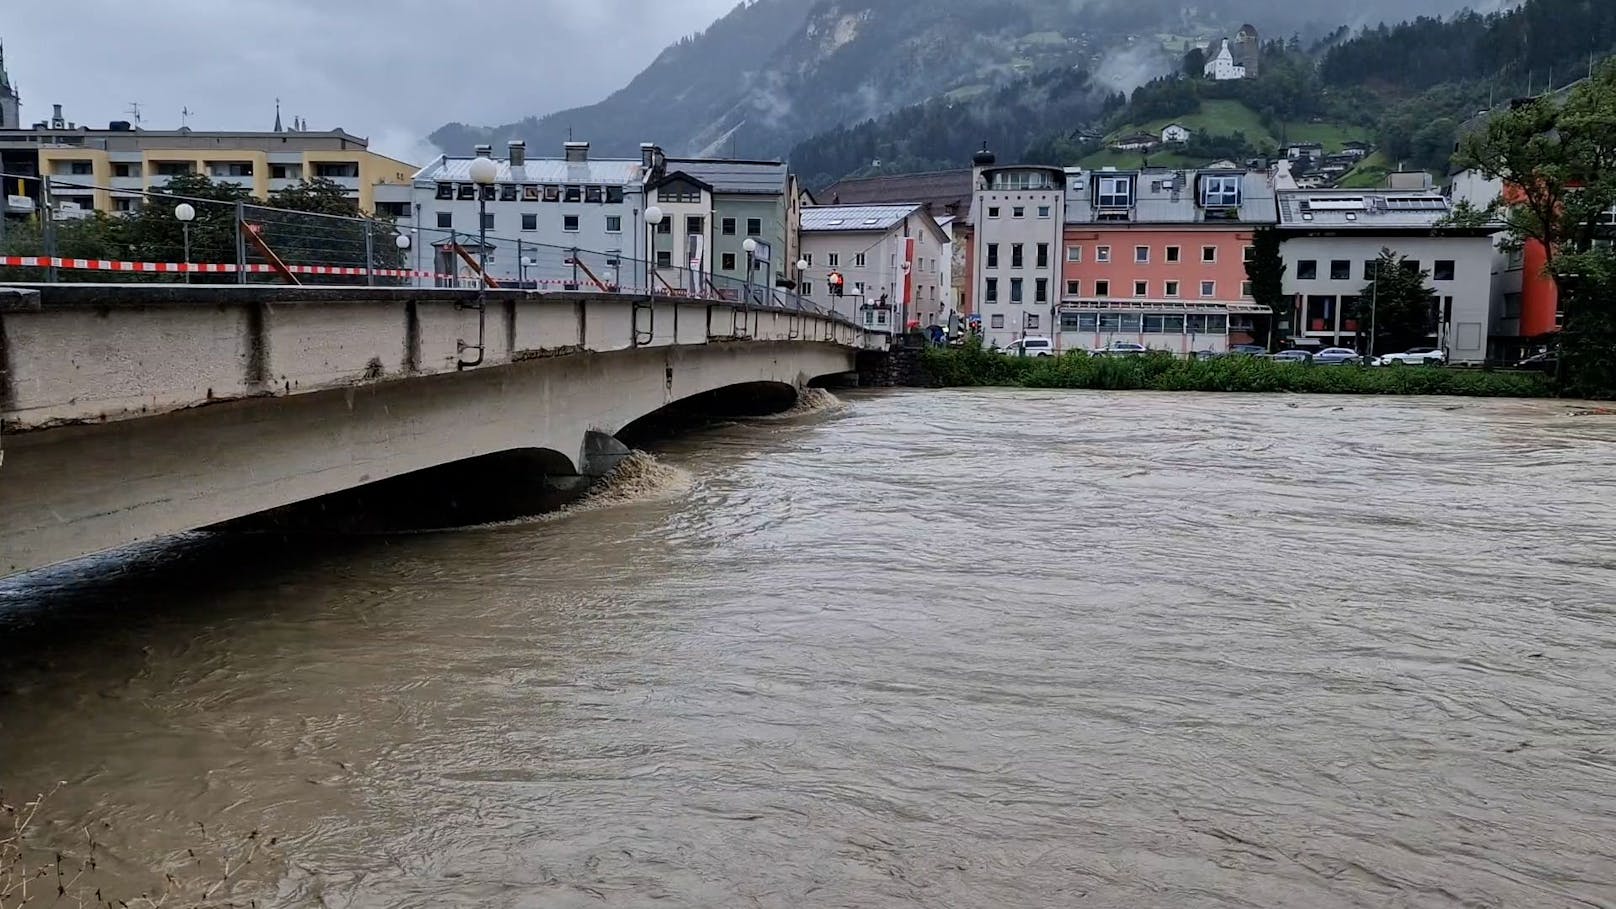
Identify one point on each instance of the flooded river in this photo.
(966, 649)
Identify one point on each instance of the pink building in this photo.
(1158, 258)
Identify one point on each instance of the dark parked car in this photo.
(1293, 356)
(1248, 350)
(1547, 361)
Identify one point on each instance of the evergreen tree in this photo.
(1397, 306)
(1266, 271)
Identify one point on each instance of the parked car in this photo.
(1120, 349)
(1547, 362)
(1333, 355)
(1293, 356)
(1417, 356)
(1031, 347)
(1248, 350)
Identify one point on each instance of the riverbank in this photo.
(976, 367)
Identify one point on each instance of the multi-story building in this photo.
(1158, 257)
(1333, 240)
(1019, 211)
(947, 196)
(891, 254)
(547, 205)
(107, 170)
(715, 205)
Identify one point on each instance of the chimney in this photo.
(648, 154)
(577, 152)
(484, 151)
(518, 152)
(56, 117)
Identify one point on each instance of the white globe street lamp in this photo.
(653, 220)
(402, 241)
(483, 173)
(185, 213)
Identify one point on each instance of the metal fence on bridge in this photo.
(159, 236)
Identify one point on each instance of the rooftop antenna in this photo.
(185, 117)
(134, 112)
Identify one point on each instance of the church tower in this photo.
(10, 102)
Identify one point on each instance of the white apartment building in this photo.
(885, 253)
(1019, 215)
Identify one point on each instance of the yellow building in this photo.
(114, 165)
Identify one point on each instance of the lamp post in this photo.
(483, 173)
(522, 265)
(653, 219)
(185, 213)
(750, 246)
(402, 241)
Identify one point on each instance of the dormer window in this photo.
(1220, 192)
(1115, 192)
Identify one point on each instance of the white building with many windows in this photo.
(1333, 240)
(890, 253)
(1019, 212)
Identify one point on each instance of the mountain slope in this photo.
(774, 71)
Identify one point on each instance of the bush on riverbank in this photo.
(973, 366)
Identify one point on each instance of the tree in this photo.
(1195, 63)
(152, 234)
(1266, 271)
(1397, 305)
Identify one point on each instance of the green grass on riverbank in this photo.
(974, 366)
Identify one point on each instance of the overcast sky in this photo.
(392, 70)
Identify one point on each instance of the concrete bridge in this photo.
(131, 412)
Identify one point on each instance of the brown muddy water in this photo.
(975, 649)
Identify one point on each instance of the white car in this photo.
(1031, 347)
(1416, 356)
(1120, 349)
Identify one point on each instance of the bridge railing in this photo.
(206, 232)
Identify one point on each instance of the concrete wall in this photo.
(134, 413)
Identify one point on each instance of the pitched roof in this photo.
(943, 191)
(1169, 197)
(608, 171)
(763, 178)
(845, 218)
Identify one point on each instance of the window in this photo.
(125, 170)
(569, 223)
(808, 259)
(446, 219)
(1173, 324)
(665, 226)
(488, 221)
(1172, 288)
(1307, 270)
(1043, 211)
(1074, 288)
(1172, 253)
(1340, 270)
(664, 258)
(679, 191)
(1442, 270)
(1015, 290)
(858, 260)
(1209, 254)
(572, 193)
(1030, 321)
(1116, 192)
(695, 224)
(729, 227)
(1245, 289)
(594, 194)
(997, 321)
(993, 211)
(129, 204)
(1016, 260)
(992, 295)
(337, 169)
(1412, 266)
(1209, 288)
(1102, 253)
(754, 227)
(1248, 254)
(614, 195)
(1369, 269)
(1074, 253)
(1516, 260)
(1154, 324)
(530, 221)
(1141, 255)
(993, 255)
(466, 191)
(1110, 321)
(614, 224)
(1040, 291)
(728, 262)
(508, 192)
(1043, 255)
(1141, 288)
(1018, 212)
(445, 190)
(806, 289)
(1102, 288)
(173, 168)
(834, 259)
(490, 193)
(1220, 192)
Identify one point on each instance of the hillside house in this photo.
(1175, 134)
